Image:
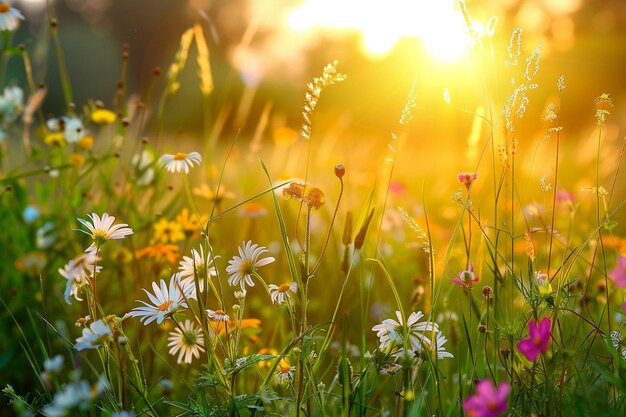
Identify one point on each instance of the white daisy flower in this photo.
(280, 294)
(74, 130)
(142, 162)
(72, 127)
(124, 414)
(180, 161)
(77, 273)
(618, 342)
(438, 347)
(77, 394)
(219, 319)
(11, 102)
(165, 301)
(93, 336)
(54, 364)
(391, 333)
(186, 342)
(217, 315)
(197, 263)
(285, 372)
(241, 267)
(102, 229)
(540, 278)
(9, 17)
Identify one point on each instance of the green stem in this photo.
(63, 74)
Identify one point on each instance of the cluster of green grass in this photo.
(366, 301)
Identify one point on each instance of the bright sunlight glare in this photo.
(439, 25)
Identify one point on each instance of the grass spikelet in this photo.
(179, 61)
(515, 48)
(204, 64)
(329, 77)
(422, 236)
(409, 107)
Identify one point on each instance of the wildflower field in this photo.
(422, 219)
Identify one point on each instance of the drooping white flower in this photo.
(186, 342)
(94, 336)
(217, 315)
(218, 320)
(77, 273)
(280, 293)
(240, 268)
(102, 229)
(285, 373)
(165, 301)
(180, 162)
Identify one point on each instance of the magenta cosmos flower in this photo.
(466, 278)
(538, 339)
(618, 274)
(488, 401)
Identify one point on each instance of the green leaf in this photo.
(244, 362)
(206, 380)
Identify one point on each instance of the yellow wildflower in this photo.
(103, 116)
(190, 224)
(208, 193)
(54, 139)
(166, 231)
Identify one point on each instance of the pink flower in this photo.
(618, 275)
(466, 278)
(397, 188)
(538, 339)
(488, 401)
(466, 178)
(564, 196)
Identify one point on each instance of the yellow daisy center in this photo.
(100, 235)
(180, 156)
(4, 7)
(246, 267)
(164, 306)
(190, 338)
(283, 288)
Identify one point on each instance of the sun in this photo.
(438, 25)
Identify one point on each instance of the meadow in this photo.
(307, 269)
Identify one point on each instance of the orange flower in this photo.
(218, 325)
(252, 210)
(160, 251)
